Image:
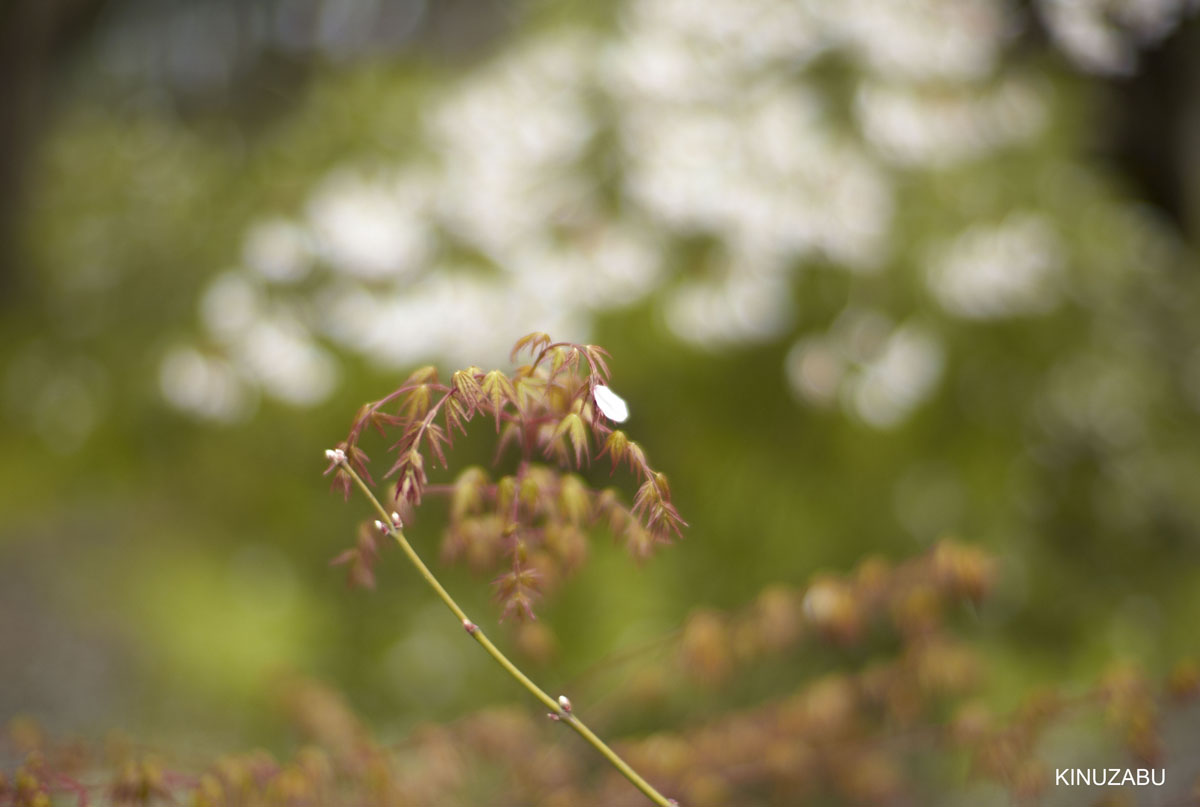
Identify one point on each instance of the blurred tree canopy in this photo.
(871, 275)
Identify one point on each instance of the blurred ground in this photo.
(869, 276)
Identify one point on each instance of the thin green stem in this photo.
(560, 711)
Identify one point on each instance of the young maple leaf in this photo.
(499, 391)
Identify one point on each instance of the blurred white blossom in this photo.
(741, 307)
(1104, 36)
(1000, 270)
(279, 355)
(556, 180)
(955, 40)
(371, 228)
(934, 129)
(878, 371)
(903, 374)
(204, 386)
(278, 250)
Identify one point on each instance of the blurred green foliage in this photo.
(192, 558)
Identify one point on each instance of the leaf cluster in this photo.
(908, 727)
(529, 526)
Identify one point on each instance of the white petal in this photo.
(611, 404)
